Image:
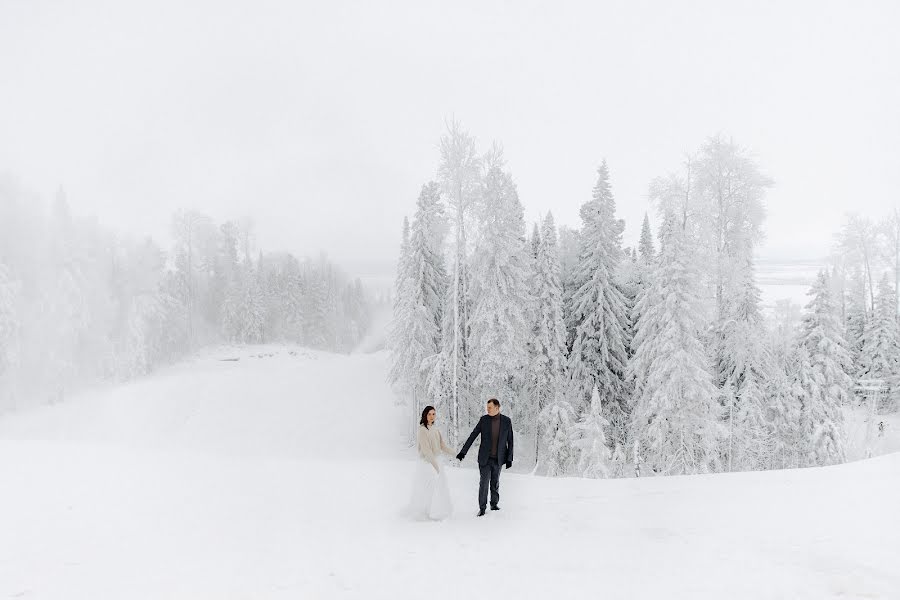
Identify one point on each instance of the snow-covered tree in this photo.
(599, 309)
(858, 240)
(828, 386)
(855, 309)
(880, 355)
(557, 424)
(675, 418)
(459, 173)
(727, 189)
(402, 299)
(416, 328)
(646, 251)
(594, 456)
(546, 374)
(744, 367)
(786, 395)
(500, 296)
(244, 310)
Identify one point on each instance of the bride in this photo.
(431, 493)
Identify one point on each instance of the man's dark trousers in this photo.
(490, 472)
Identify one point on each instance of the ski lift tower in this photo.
(872, 389)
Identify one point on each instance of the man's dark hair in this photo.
(494, 401)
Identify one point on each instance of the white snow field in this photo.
(282, 475)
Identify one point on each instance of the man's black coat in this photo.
(504, 444)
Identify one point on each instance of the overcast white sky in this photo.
(322, 119)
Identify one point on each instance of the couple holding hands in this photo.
(431, 493)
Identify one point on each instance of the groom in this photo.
(496, 449)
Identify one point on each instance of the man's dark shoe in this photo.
(495, 507)
(481, 513)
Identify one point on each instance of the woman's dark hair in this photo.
(424, 419)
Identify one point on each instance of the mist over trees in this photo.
(658, 359)
(81, 304)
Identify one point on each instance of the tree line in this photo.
(657, 359)
(80, 303)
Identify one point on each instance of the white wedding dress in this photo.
(430, 498)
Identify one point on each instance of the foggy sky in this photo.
(322, 119)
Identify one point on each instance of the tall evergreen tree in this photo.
(675, 418)
(880, 354)
(828, 386)
(402, 308)
(743, 370)
(546, 373)
(645, 247)
(599, 309)
(416, 334)
(786, 398)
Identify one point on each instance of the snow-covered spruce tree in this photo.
(436, 370)
(744, 367)
(828, 386)
(855, 311)
(416, 330)
(594, 456)
(675, 415)
(646, 251)
(244, 310)
(637, 279)
(642, 268)
(402, 309)
(401, 295)
(785, 393)
(754, 442)
(880, 354)
(500, 296)
(557, 425)
(599, 310)
(546, 374)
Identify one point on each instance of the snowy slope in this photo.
(281, 475)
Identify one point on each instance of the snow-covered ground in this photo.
(282, 475)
